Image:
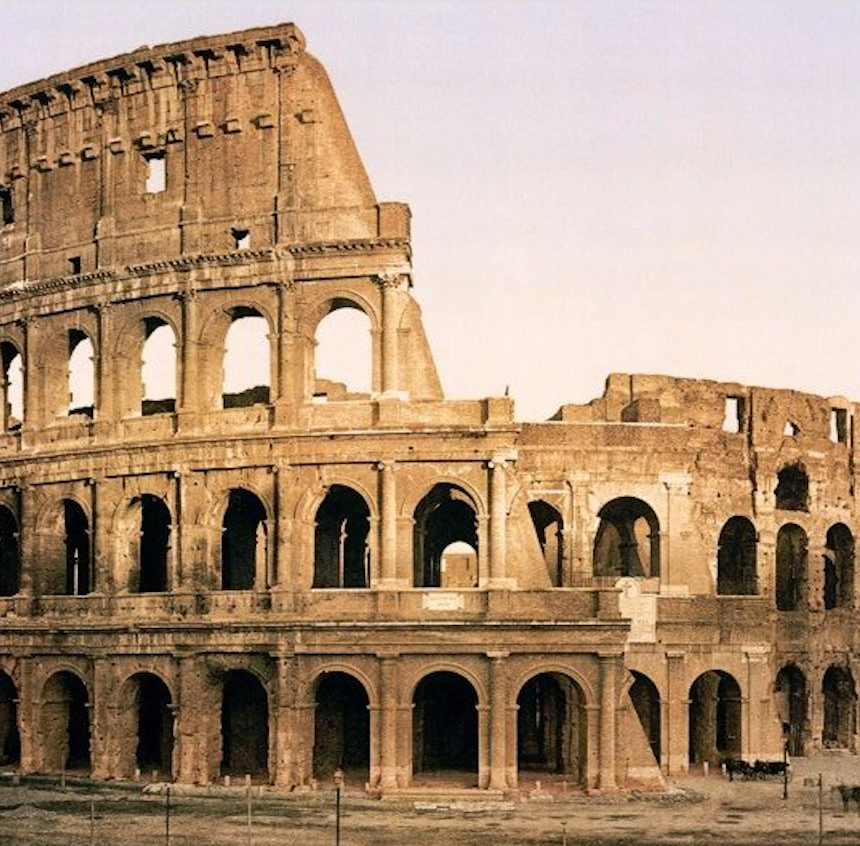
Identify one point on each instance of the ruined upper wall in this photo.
(249, 132)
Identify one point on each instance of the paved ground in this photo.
(696, 811)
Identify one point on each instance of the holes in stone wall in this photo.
(341, 554)
(549, 524)
(156, 173)
(74, 265)
(646, 702)
(158, 367)
(715, 718)
(65, 724)
(792, 488)
(444, 516)
(241, 239)
(244, 541)
(791, 687)
(246, 360)
(791, 430)
(244, 725)
(10, 558)
(13, 386)
(840, 704)
(791, 559)
(839, 425)
(736, 558)
(10, 739)
(81, 374)
(735, 413)
(341, 728)
(628, 540)
(343, 360)
(839, 567)
(77, 540)
(7, 206)
(154, 544)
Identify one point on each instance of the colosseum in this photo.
(295, 578)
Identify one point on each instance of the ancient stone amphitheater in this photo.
(292, 578)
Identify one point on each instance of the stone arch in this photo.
(10, 553)
(736, 558)
(839, 567)
(10, 737)
(548, 524)
(445, 515)
(343, 355)
(144, 709)
(840, 708)
(645, 698)
(342, 539)
(64, 530)
(445, 730)
(552, 727)
(357, 673)
(792, 547)
(715, 718)
(245, 717)
(213, 337)
(245, 541)
(792, 705)
(143, 561)
(82, 364)
(314, 312)
(413, 496)
(341, 737)
(561, 669)
(627, 542)
(11, 384)
(65, 711)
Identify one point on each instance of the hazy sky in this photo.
(595, 187)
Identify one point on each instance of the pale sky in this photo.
(595, 187)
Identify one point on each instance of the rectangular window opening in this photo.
(7, 208)
(156, 173)
(839, 425)
(733, 418)
(74, 265)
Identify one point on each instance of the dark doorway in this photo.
(10, 560)
(445, 728)
(551, 728)
(791, 555)
(646, 702)
(154, 726)
(736, 559)
(839, 567)
(65, 723)
(715, 718)
(792, 488)
(340, 540)
(548, 525)
(444, 516)
(77, 549)
(628, 540)
(791, 686)
(10, 740)
(341, 728)
(154, 544)
(244, 725)
(243, 543)
(839, 708)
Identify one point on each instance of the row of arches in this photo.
(342, 363)
(445, 546)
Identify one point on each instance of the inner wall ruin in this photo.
(294, 578)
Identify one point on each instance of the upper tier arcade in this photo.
(198, 147)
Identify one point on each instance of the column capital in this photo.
(498, 656)
(386, 655)
(391, 280)
(389, 465)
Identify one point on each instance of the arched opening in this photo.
(839, 567)
(158, 367)
(736, 559)
(247, 373)
(791, 706)
(792, 488)
(78, 563)
(82, 378)
(791, 553)
(549, 524)
(446, 515)
(551, 729)
(839, 708)
(243, 542)
(154, 544)
(628, 540)
(146, 717)
(12, 387)
(10, 559)
(65, 723)
(10, 740)
(343, 359)
(646, 702)
(715, 718)
(445, 729)
(244, 725)
(341, 728)
(341, 555)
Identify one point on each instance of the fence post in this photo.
(820, 810)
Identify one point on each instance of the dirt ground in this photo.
(697, 810)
